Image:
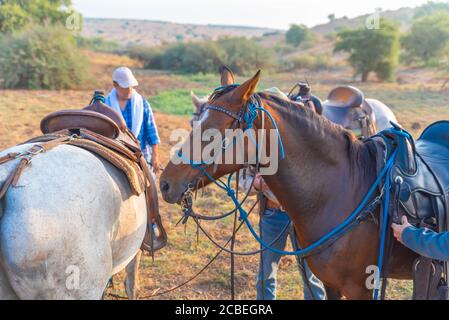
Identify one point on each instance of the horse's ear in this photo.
(195, 100)
(244, 92)
(227, 76)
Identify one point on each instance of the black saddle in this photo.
(346, 106)
(420, 175)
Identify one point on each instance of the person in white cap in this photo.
(136, 112)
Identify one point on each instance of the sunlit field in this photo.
(416, 106)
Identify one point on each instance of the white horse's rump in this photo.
(383, 114)
(69, 225)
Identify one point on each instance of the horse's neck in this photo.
(324, 174)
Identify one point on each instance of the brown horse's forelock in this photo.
(220, 92)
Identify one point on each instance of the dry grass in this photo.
(20, 114)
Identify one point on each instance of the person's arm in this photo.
(245, 182)
(423, 241)
(427, 242)
(152, 136)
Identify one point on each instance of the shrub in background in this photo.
(428, 40)
(371, 50)
(241, 54)
(41, 58)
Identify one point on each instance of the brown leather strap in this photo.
(9, 157)
(25, 159)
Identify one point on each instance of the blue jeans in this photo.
(273, 222)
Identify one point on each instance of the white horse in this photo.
(383, 114)
(71, 223)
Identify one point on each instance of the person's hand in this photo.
(399, 228)
(258, 181)
(156, 164)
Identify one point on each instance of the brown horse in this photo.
(324, 176)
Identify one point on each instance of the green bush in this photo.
(428, 40)
(97, 44)
(371, 50)
(15, 15)
(296, 34)
(194, 57)
(41, 58)
(240, 54)
(315, 63)
(245, 55)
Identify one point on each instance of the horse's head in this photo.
(222, 110)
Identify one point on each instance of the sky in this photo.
(278, 14)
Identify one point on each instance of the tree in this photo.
(430, 8)
(428, 40)
(331, 17)
(371, 50)
(17, 14)
(296, 34)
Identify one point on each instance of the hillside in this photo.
(403, 15)
(155, 33)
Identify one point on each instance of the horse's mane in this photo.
(358, 152)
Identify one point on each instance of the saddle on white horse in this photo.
(346, 106)
(100, 130)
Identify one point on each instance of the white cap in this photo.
(124, 77)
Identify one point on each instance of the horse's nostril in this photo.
(164, 186)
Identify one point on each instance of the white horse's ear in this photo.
(244, 92)
(195, 100)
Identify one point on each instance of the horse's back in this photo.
(64, 222)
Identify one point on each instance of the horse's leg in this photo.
(357, 292)
(132, 277)
(332, 294)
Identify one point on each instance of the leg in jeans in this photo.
(313, 287)
(273, 222)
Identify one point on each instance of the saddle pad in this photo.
(277, 93)
(130, 168)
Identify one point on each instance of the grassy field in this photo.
(416, 106)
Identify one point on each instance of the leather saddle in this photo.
(420, 175)
(96, 117)
(346, 106)
(102, 126)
